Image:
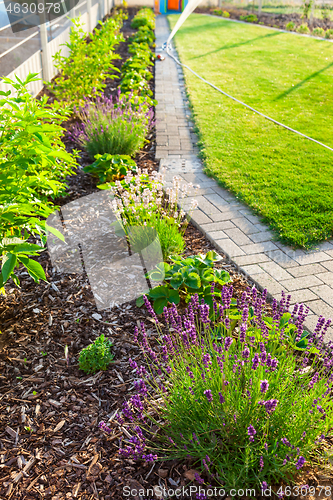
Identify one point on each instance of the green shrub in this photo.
(115, 127)
(33, 166)
(243, 407)
(184, 278)
(109, 168)
(217, 12)
(96, 356)
(329, 34)
(319, 32)
(171, 240)
(250, 18)
(326, 12)
(290, 26)
(82, 73)
(225, 14)
(145, 17)
(303, 28)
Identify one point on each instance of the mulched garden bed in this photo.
(50, 443)
(273, 20)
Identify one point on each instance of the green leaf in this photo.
(26, 248)
(158, 292)
(192, 280)
(159, 305)
(174, 296)
(34, 268)
(54, 231)
(139, 301)
(176, 280)
(8, 266)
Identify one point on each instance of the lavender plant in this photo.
(117, 127)
(231, 402)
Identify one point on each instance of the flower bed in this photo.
(67, 368)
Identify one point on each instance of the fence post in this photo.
(89, 27)
(46, 70)
(259, 7)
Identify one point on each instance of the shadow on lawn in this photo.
(291, 89)
(235, 45)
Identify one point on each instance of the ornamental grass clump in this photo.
(117, 127)
(140, 201)
(235, 400)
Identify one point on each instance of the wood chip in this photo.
(59, 426)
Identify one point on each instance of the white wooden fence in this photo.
(41, 61)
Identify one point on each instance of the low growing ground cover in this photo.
(282, 176)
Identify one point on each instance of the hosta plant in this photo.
(96, 356)
(109, 168)
(234, 407)
(184, 278)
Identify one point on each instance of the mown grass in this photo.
(284, 177)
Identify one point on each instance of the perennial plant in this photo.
(231, 402)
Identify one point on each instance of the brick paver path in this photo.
(231, 226)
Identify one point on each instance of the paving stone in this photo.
(262, 236)
(265, 280)
(216, 235)
(218, 201)
(246, 226)
(283, 259)
(326, 278)
(238, 236)
(325, 292)
(217, 226)
(307, 270)
(200, 218)
(266, 246)
(252, 269)
(302, 296)
(251, 259)
(229, 248)
(299, 283)
(328, 265)
(312, 258)
(275, 270)
(229, 215)
(330, 253)
(321, 308)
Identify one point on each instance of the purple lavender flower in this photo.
(261, 462)
(255, 362)
(264, 386)
(264, 486)
(227, 343)
(149, 458)
(102, 425)
(300, 462)
(209, 395)
(251, 432)
(222, 400)
(198, 478)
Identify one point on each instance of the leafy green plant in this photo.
(83, 71)
(250, 18)
(110, 167)
(243, 412)
(290, 26)
(33, 165)
(303, 28)
(96, 356)
(319, 32)
(145, 17)
(184, 278)
(329, 34)
(225, 14)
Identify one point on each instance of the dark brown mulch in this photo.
(273, 20)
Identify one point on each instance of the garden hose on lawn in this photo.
(166, 46)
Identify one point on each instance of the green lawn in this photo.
(287, 179)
